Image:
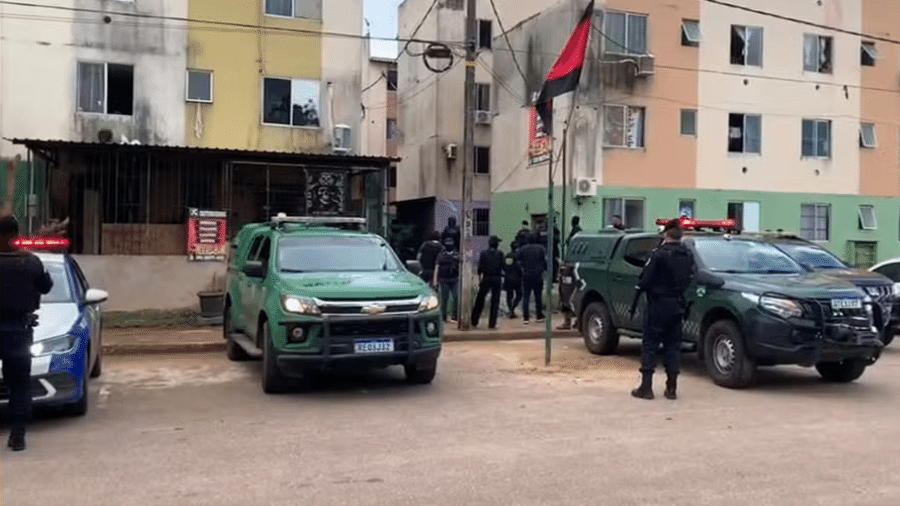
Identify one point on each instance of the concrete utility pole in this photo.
(465, 285)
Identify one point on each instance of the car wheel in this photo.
(596, 327)
(97, 370)
(273, 381)
(726, 357)
(844, 371)
(233, 350)
(80, 407)
(888, 335)
(420, 375)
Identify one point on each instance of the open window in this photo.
(744, 133)
(690, 33)
(746, 45)
(485, 33)
(106, 88)
(867, 135)
(817, 53)
(868, 54)
(867, 219)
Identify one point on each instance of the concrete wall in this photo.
(137, 283)
(380, 105)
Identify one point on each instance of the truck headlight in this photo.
(785, 308)
(300, 305)
(896, 290)
(62, 344)
(428, 303)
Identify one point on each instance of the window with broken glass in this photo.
(746, 45)
(817, 53)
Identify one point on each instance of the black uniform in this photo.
(533, 260)
(428, 254)
(512, 282)
(490, 267)
(22, 282)
(451, 231)
(448, 263)
(522, 237)
(666, 275)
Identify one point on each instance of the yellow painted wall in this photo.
(239, 59)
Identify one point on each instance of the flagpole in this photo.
(548, 322)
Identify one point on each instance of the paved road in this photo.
(496, 428)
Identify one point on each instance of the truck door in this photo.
(624, 272)
(241, 293)
(256, 288)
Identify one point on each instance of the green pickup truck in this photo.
(315, 294)
(750, 305)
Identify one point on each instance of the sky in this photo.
(382, 18)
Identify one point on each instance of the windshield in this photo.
(61, 291)
(812, 257)
(336, 254)
(741, 256)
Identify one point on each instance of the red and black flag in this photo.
(566, 72)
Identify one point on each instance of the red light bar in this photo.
(690, 223)
(41, 243)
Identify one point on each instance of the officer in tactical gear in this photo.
(490, 268)
(22, 282)
(428, 254)
(533, 260)
(512, 280)
(667, 274)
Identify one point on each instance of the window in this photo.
(392, 132)
(625, 33)
(745, 215)
(689, 122)
(392, 176)
(638, 250)
(815, 221)
(294, 8)
(254, 248)
(867, 220)
(690, 33)
(746, 45)
(481, 222)
(816, 138)
(623, 126)
(817, 53)
(484, 34)
(867, 135)
(744, 133)
(199, 86)
(293, 102)
(868, 54)
(106, 88)
(686, 208)
(392, 80)
(630, 210)
(482, 97)
(336, 254)
(482, 160)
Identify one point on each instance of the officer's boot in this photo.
(17, 439)
(671, 385)
(645, 391)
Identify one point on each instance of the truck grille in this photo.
(358, 307)
(342, 334)
(858, 318)
(880, 292)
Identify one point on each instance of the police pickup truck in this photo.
(750, 305)
(314, 294)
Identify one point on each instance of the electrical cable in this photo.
(508, 44)
(416, 31)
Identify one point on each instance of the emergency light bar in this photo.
(692, 224)
(41, 243)
(338, 221)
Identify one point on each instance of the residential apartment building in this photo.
(695, 108)
(431, 113)
(380, 131)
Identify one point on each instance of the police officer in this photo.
(512, 280)
(533, 259)
(446, 277)
(451, 231)
(428, 254)
(665, 277)
(490, 268)
(22, 282)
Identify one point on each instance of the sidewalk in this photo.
(137, 341)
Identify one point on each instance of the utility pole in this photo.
(465, 285)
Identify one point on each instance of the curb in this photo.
(219, 346)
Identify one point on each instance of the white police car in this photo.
(67, 340)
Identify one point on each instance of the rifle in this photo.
(637, 295)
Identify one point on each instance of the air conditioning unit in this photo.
(585, 187)
(342, 139)
(644, 65)
(452, 151)
(483, 117)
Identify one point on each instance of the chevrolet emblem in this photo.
(373, 310)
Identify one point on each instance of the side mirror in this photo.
(414, 267)
(95, 296)
(708, 279)
(254, 270)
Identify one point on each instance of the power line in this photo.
(418, 27)
(220, 23)
(369, 87)
(508, 44)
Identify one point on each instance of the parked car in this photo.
(68, 338)
(880, 288)
(891, 270)
(751, 304)
(313, 294)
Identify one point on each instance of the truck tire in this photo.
(727, 361)
(599, 335)
(844, 371)
(233, 350)
(418, 374)
(888, 335)
(273, 382)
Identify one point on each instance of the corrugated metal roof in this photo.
(323, 157)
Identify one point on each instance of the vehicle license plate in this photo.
(373, 345)
(567, 280)
(846, 304)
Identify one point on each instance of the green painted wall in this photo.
(777, 211)
(20, 198)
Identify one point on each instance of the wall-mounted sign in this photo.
(206, 235)
(538, 140)
(326, 192)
